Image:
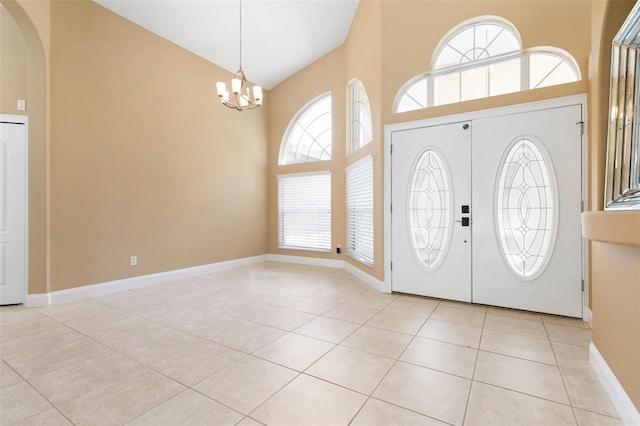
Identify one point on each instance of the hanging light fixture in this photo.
(242, 96)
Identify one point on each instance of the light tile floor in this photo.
(282, 344)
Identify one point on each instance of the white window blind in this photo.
(360, 210)
(304, 202)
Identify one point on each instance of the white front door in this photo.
(527, 243)
(13, 191)
(431, 236)
(488, 210)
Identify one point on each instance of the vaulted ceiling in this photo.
(279, 37)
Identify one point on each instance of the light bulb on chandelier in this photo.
(242, 96)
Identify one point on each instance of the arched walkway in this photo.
(38, 152)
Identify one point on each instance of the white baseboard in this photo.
(311, 261)
(73, 294)
(363, 276)
(331, 263)
(37, 300)
(587, 316)
(627, 411)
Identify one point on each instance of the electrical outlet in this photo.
(339, 249)
(133, 260)
(22, 105)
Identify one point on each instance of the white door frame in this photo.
(475, 115)
(23, 119)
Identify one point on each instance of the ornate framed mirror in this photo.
(622, 184)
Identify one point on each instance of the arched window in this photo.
(548, 68)
(475, 42)
(308, 137)
(361, 125)
(481, 59)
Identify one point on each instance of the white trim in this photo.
(586, 312)
(628, 412)
(23, 119)
(12, 118)
(488, 113)
(37, 300)
(389, 129)
(302, 260)
(587, 315)
(363, 276)
(73, 294)
(331, 263)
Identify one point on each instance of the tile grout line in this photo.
(395, 362)
(26, 381)
(153, 369)
(564, 382)
(130, 311)
(473, 374)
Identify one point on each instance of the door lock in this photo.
(465, 221)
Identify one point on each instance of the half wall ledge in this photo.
(612, 226)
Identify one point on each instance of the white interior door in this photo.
(527, 243)
(431, 237)
(13, 190)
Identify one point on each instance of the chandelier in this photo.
(242, 96)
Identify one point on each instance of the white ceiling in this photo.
(279, 37)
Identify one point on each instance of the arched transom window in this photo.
(476, 42)
(481, 59)
(308, 137)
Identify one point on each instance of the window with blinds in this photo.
(304, 204)
(360, 210)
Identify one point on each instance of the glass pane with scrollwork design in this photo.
(429, 210)
(525, 209)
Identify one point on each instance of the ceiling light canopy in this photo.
(242, 96)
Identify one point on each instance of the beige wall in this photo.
(390, 42)
(616, 312)
(127, 169)
(13, 64)
(119, 167)
(144, 159)
(325, 75)
(359, 58)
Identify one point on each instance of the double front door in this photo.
(488, 211)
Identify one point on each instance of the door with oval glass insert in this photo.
(527, 194)
(431, 236)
